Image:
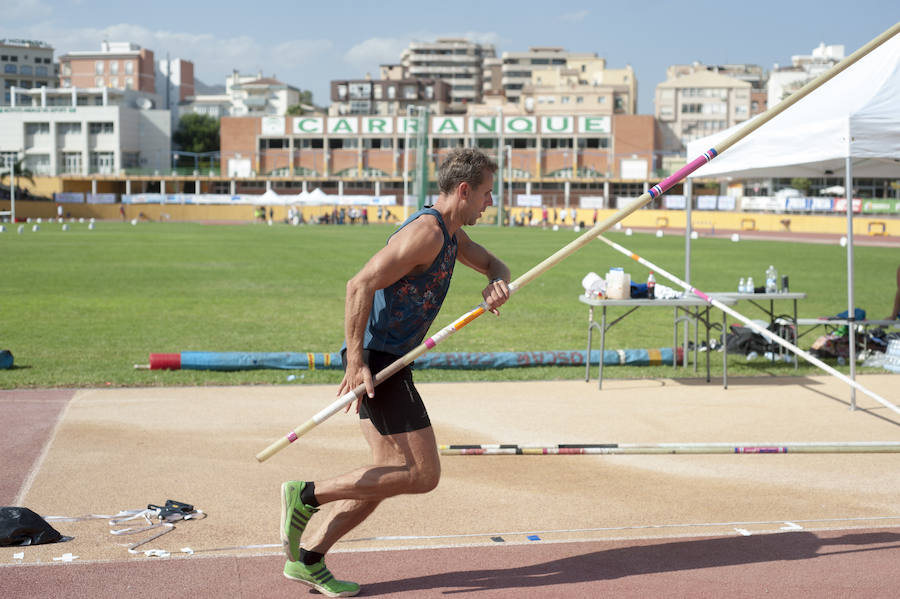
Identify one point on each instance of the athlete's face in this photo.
(478, 198)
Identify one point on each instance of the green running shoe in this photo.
(319, 577)
(295, 516)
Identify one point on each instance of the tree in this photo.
(19, 171)
(306, 99)
(197, 133)
(803, 184)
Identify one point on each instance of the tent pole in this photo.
(851, 313)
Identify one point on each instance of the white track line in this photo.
(36, 466)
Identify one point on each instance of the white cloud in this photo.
(26, 10)
(375, 51)
(575, 17)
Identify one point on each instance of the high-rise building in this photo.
(699, 104)
(459, 62)
(118, 65)
(25, 64)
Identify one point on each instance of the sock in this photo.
(308, 495)
(310, 557)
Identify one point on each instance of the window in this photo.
(37, 128)
(410, 92)
(66, 68)
(100, 128)
(691, 108)
(68, 128)
(360, 91)
(378, 91)
(552, 143)
(40, 71)
(129, 68)
(378, 143)
(601, 99)
(391, 92)
(114, 82)
(342, 92)
(114, 67)
(25, 70)
(98, 81)
(98, 67)
(579, 99)
(564, 100)
(429, 92)
(593, 142)
(339, 143)
(129, 83)
(9, 68)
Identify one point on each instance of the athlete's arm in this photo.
(479, 258)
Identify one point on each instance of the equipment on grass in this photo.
(576, 244)
(229, 361)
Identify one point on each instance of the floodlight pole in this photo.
(500, 167)
(406, 161)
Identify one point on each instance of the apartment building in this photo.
(699, 104)
(25, 64)
(85, 131)
(783, 81)
(387, 96)
(584, 85)
(245, 95)
(118, 65)
(459, 62)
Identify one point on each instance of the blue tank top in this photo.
(402, 312)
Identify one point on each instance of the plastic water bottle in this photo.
(651, 286)
(771, 280)
(750, 287)
(742, 286)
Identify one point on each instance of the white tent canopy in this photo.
(856, 114)
(850, 126)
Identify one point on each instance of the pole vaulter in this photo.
(578, 243)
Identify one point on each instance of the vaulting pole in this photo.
(673, 448)
(752, 325)
(579, 242)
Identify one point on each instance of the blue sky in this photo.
(307, 44)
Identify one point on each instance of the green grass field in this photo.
(80, 308)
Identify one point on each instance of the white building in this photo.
(784, 81)
(252, 95)
(459, 62)
(85, 131)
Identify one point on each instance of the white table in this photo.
(700, 315)
(757, 298)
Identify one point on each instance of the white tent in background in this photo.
(269, 198)
(849, 126)
(317, 197)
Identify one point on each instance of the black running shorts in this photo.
(397, 406)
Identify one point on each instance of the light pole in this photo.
(509, 195)
(12, 186)
(406, 161)
(500, 167)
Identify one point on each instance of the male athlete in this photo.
(390, 305)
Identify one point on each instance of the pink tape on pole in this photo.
(700, 294)
(664, 185)
(429, 343)
(292, 436)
